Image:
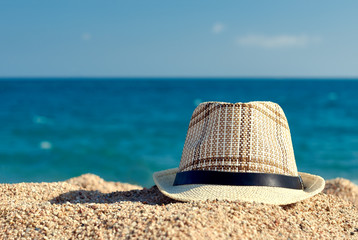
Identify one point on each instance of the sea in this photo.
(52, 129)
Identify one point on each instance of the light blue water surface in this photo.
(125, 129)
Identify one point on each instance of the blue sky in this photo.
(178, 38)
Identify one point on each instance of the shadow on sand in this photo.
(151, 196)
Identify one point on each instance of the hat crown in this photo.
(239, 137)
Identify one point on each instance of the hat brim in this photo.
(270, 195)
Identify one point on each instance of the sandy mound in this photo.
(89, 207)
(343, 188)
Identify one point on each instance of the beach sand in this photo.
(89, 207)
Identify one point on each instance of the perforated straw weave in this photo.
(240, 137)
(249, 137)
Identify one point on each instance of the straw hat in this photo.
(240, 151)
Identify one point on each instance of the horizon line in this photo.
(179, 78)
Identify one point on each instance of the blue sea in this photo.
(126, 129)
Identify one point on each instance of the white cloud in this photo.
(86, 36)
(278, 41)
(218, 28)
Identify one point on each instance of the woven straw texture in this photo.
(240, 137)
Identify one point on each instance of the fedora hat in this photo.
(238, 151)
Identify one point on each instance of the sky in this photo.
(167, 38)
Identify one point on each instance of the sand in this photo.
(89, 207)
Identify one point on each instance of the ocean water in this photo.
(125, 129)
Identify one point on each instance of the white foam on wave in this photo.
(45, 145)
(41, 120)
(197, 101)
